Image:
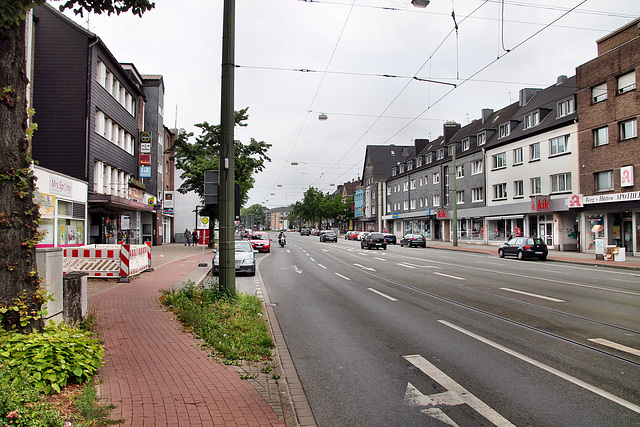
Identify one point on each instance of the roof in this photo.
(382, 157)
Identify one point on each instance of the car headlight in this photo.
(247, 261)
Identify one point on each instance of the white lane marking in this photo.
(307, 254)
(529, 294)
(615, 345)
(382, 294)
(322, 266)
(288, 251)
(379, 259)
(365, 268)
(402, 264)
(449, 276)
(556, 372)
(312, 259)
(454, 396)
(340, 275)
(324, 250)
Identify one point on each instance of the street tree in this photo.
(21, 295)
(258, 211)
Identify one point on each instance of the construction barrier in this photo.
(122, 261)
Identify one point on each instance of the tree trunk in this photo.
(18, 214)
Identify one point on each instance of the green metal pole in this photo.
(227, 179)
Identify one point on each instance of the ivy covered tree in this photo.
(193, 158)
(21, 296)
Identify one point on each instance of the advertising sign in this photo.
(145, 136)
(626, 176)
(441, 213)
(145, 159)
(145, 171)
(540, 203)
(145, 147)
(60, 186)
(168, 199)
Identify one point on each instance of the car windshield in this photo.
(243, 246)
(259, 237)
(535, 241)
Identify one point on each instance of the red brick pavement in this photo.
(156, 374)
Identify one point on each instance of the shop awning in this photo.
(116, 202)
(495, 218)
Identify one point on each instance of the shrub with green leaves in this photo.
(54, 357)
(21, 403)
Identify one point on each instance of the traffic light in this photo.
(211, 187)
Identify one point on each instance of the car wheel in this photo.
(500, 253)
(252, 273)
(520, 255)
(543, 258)
(268, 251)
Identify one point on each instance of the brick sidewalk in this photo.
(156, 374)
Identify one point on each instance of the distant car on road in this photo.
(261, 241)
(305, 232)
(390, 238)
(351, 235)
(245, 259)
(328, 236)
(412, 240)
(373, 241)
(524, 247)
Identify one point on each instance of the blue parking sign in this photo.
(145, 171)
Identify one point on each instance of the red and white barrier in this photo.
(121, 261)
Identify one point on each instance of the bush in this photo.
(21, 403)
(53, 358)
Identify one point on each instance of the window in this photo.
(534, 152)
(561, 182)
(600, 136)
(499, 161)
(476, 167)
(628, 129)
(393, 171)
(436, 178)
(419, 161)
(531, 120)
(518, 188)
(450, 150)
(460, 171)
(413, 184)
(466, 144)
(627, 82)
(436, 200)
(504, 130)
(389, 190)
(536, 185)
(409, 165)
(566, 107)
(405, 186)
(413, 203)
(402, 168)
(406, 205)
(599, 93)
(420, 181)
(426, 202)
(517, 156)
(476, 194)
(440, 154)
(482, 138)
(421, 202)
(426, 180)
(559, 145)
(604, 181)
(460, 197)
(500, 191)
(388, 207)
(429, 158)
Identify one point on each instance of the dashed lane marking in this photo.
(382, 294)
(615, 345)
(340, 275)
(529, 294)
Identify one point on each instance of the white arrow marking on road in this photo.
(567, 377)
(365, 268)
(455, 396)
(295, 268)
(532, 295)
(449, 276)
(382, 294)
(344, 277)
(615, 345)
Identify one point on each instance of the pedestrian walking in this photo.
(187, 237)
(194, 237)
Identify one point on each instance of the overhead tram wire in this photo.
(335, 48)
(473, 75)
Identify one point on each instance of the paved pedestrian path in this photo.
(155, 373)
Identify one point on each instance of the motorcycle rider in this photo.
(282, 239)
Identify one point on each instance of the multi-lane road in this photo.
(412, 336)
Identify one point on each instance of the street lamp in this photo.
(420, 3)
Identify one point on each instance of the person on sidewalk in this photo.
(194, 238)
(187, 237)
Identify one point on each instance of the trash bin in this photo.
(620, 256)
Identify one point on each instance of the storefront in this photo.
(62, 203)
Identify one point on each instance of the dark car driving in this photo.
(373, 240)
(305, 232)
(390, 238)
(524, 247)
(412, 240)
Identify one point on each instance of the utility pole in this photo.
(227, 175)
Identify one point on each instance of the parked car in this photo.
(246, 234)
(373, 240)
(524, 247)
(351, 235)
(362, 235)
(328, 236)
(390, 238)
(305, 232)
(244, 256)
(260, 241)
(412, 240)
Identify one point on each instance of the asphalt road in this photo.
(413, 336)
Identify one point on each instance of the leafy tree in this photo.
(317, 206)
(258, 212)
(203, 154)
(20, 293)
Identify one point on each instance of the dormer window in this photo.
(419, 161)
(410, 165)
(504, 130)
(440, 154)
(532, 119)
(402, 168)
(393, 171)
(429, 158)
(566, 107)
(482, 138)
(466, 144)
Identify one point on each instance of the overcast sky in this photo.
(348, 46)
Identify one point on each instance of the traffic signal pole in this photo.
(227, 178)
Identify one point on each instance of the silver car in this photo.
(245, 259)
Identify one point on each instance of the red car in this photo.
(260, 241)
(351, 235)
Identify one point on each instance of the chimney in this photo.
(486, 113)
(450, 129)
(420, 145)
(526, 94)
(561, 79)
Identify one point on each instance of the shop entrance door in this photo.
(545, 229)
